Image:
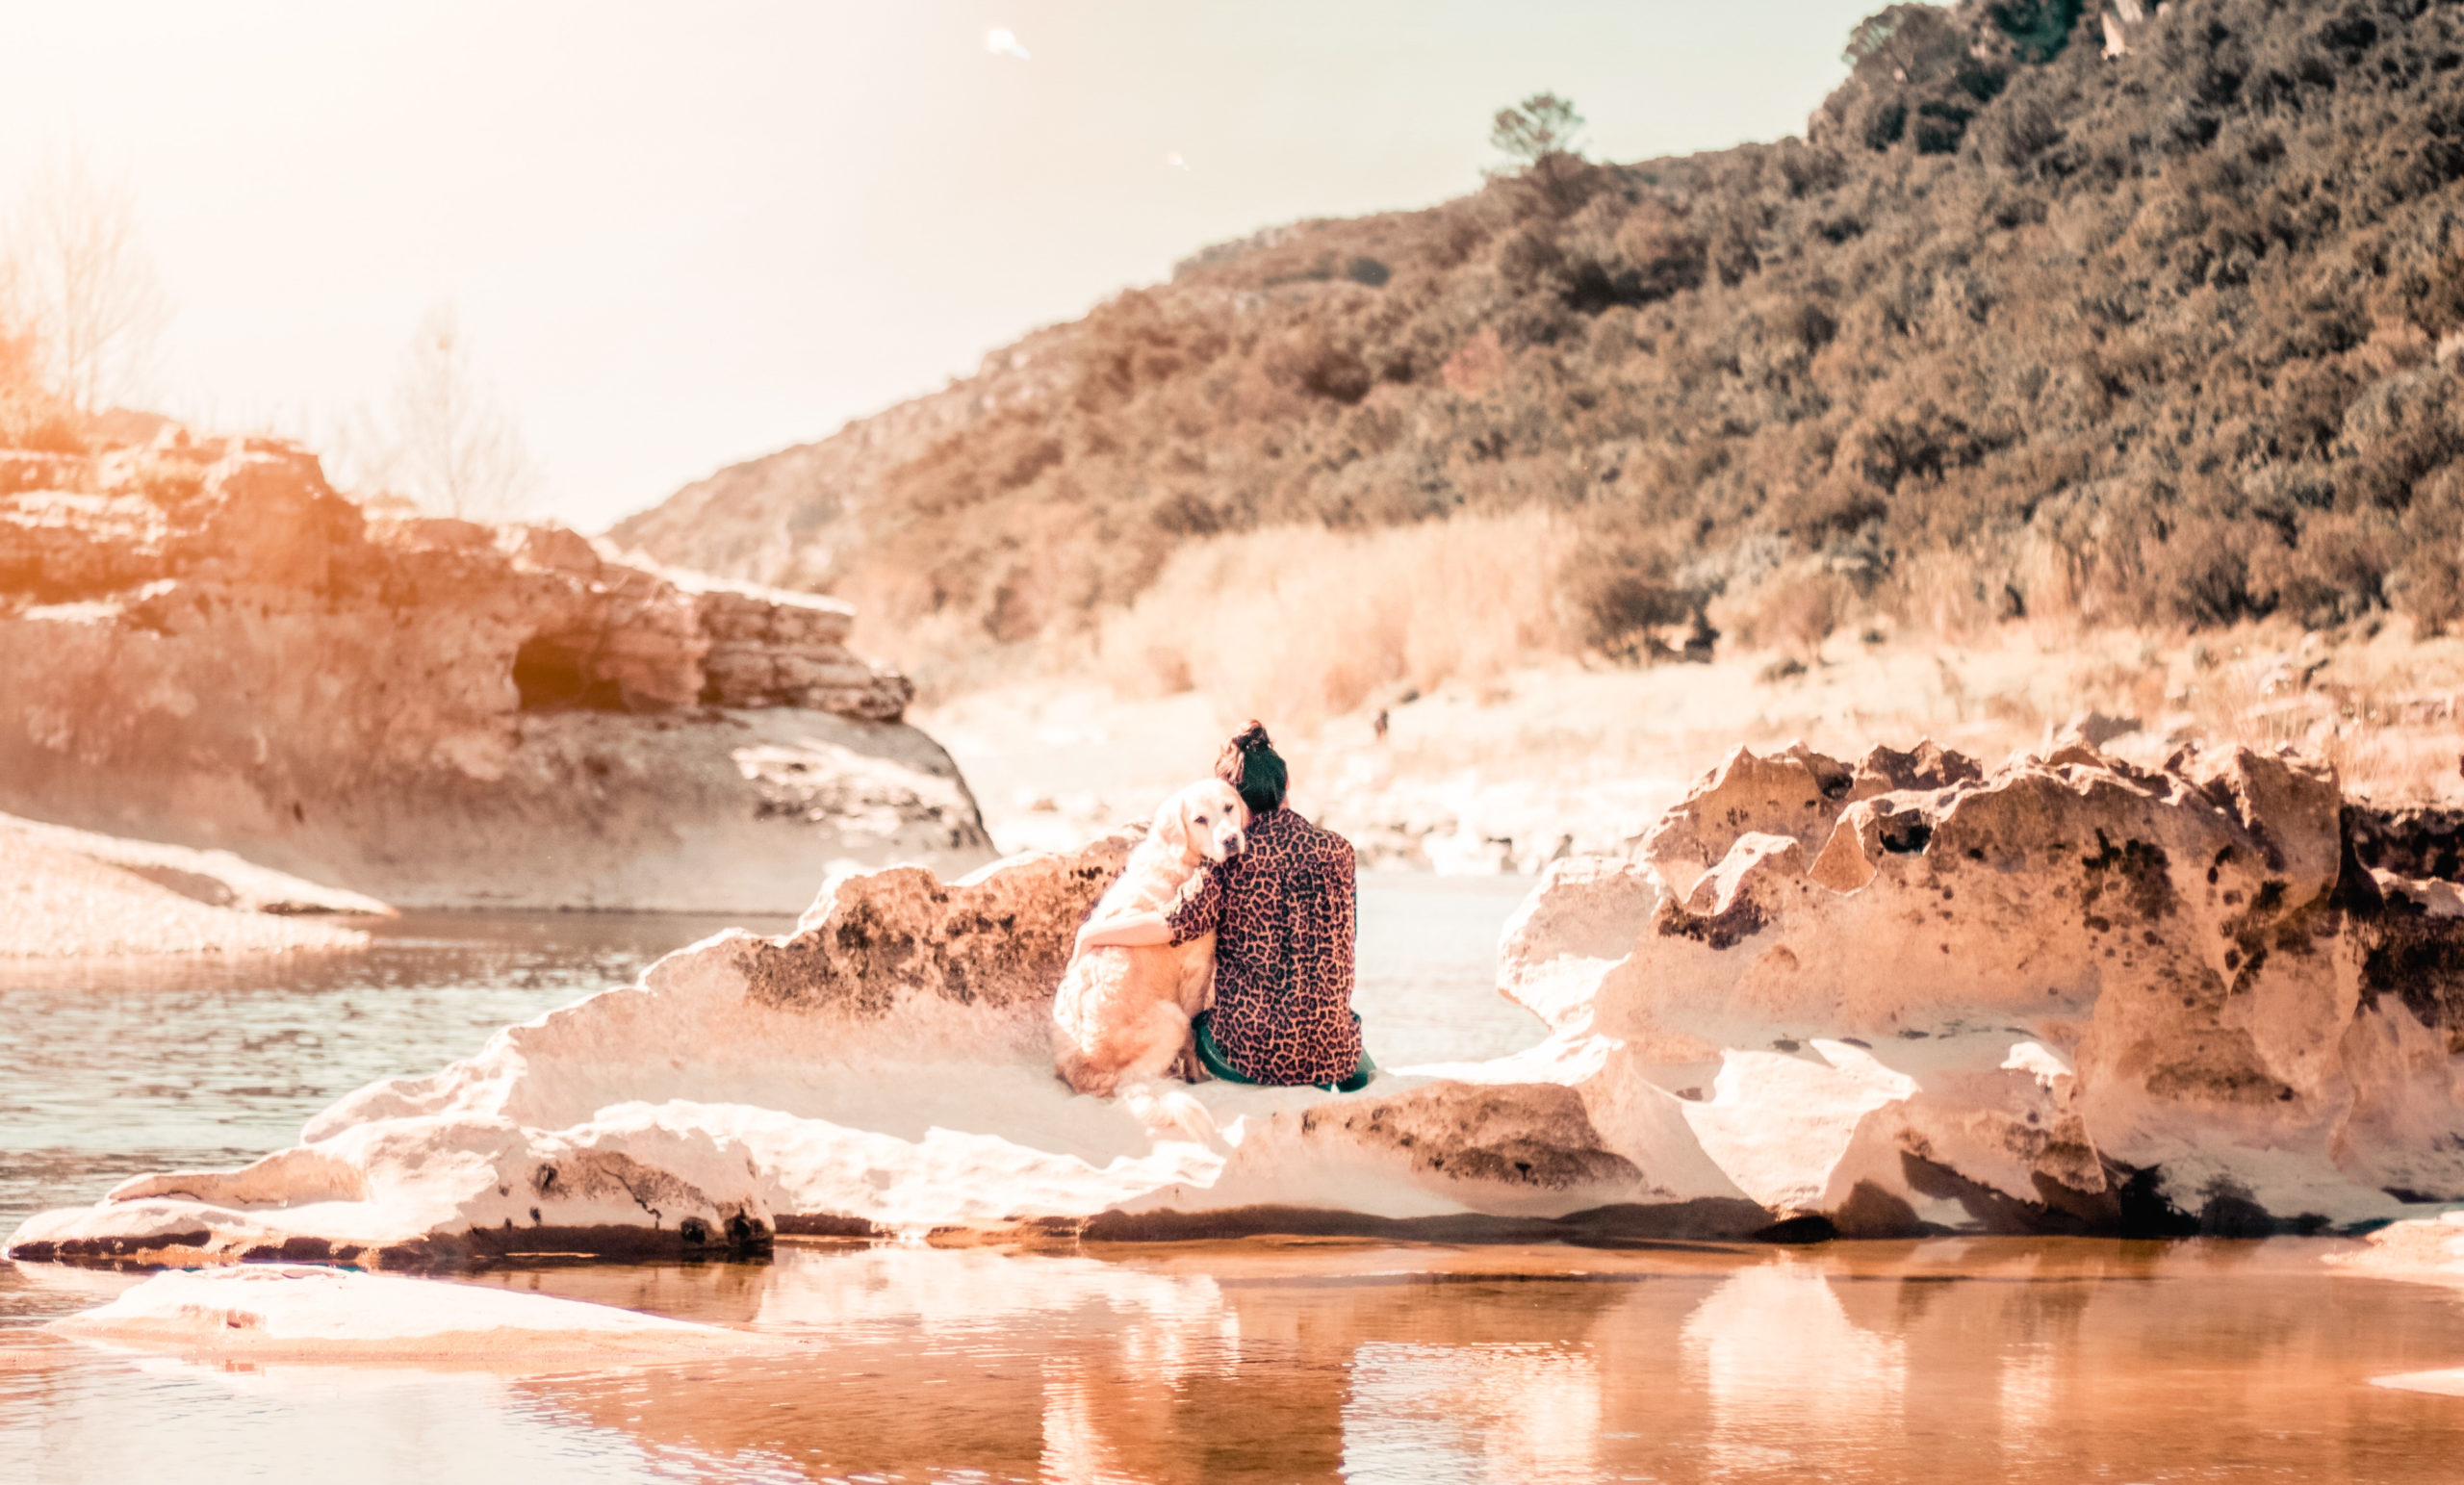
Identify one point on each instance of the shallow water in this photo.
(113, 1069)
(2020, 1360)
(1950, 1360)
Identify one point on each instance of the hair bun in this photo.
(1249, 763)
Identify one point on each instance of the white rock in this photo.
(2448, 1383)
(2426, 1250)
(297, 1313)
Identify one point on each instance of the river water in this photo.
(1955, 1359)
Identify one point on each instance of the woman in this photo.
(1284, 917)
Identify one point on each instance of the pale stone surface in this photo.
(2427, 1251)
(1880, 999)
(289, 1313)
(2448, 1383)
(68, 895)
(2039, 984)
(200, 642)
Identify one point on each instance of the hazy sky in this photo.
(680, 234)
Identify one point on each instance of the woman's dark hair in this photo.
(1250, 764)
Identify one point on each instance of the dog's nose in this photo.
(1237, 844)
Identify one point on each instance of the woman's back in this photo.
(1286, 921)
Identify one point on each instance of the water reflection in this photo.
(1503, 1413)
(1777, 1358)
(2004, 1359)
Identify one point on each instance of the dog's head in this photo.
(1207, 821)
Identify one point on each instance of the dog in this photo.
(1121, 1016)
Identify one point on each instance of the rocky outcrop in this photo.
(201, 642)
(1882, 999)
(2072, 996)
(883, 1069)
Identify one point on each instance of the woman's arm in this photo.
(1127, 931)
(1186, 919)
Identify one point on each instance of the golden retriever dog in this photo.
(1122, 1015)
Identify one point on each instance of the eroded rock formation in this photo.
(2072, 996)
(1880, 999)
(201, 642)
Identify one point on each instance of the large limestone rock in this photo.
(2075, 996)
(1882, 999)
(202, 642)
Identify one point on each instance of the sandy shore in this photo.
(68, 893)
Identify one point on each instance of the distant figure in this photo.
(1286, 919)
(1381, 723)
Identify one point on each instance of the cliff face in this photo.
(2154, 321)
(201, 642)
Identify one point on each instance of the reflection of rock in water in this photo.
(200, 641)
(1778, 1356)
(1881, 1000)
(1495, 1411)
(2029, 1360)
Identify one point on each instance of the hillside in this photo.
(2021, 327)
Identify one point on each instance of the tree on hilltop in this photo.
(1541, 125)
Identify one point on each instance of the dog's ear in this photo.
(1172, 824)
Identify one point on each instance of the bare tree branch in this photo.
(80, 279)
(443, 440)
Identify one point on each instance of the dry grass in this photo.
(2388, 721)
(1303, 624)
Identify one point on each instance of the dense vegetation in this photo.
(2018, 326)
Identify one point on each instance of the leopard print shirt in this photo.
(1286, 920)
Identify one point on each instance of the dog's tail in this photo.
(1171, 1112)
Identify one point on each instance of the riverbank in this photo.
(1506, 770)
(77, 894)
